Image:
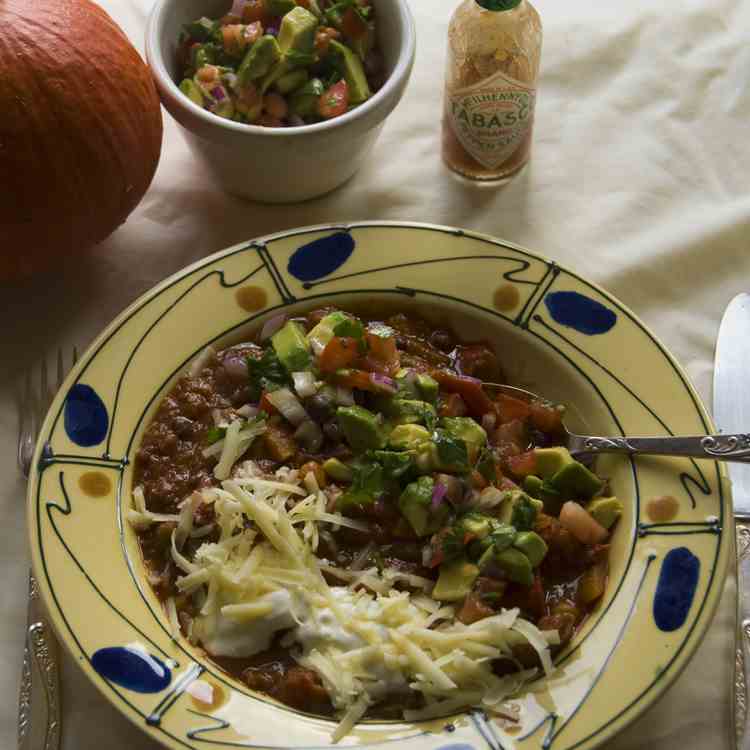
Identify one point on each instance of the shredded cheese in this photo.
(366, 638)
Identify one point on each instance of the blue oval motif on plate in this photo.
(86, 419)
(321, 257)
(676, 588)
(575, 310)
(132, 668)
(457, 746)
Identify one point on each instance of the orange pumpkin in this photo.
(80, 130)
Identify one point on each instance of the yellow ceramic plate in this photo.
(554, 332)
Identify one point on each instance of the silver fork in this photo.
(39, 694)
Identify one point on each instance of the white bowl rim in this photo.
(407, 52)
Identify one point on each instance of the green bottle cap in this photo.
(498, 4)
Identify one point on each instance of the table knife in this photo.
(732, 415)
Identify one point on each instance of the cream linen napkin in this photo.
(639, 180)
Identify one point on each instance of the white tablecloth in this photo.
(639, 180)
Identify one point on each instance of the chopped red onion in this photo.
(454, 487)
(271, 326)
(383, 383)
(218, 93)
(235, 365)
(304, 384)
(438, 495)
(289, 406)
(248, 411)
(344, 396)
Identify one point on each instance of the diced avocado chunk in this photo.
(519, 510)
(361, 428)
(279, 7)
(258, 60)
(500, 538)
(550, 460)
(516, 566)
(605, 510)
(408, 436)
(292, 81)
(204, 54)
(395, 465)
(533, 486)
(192, 91)
(337, 470)
(201, 30)
(224, 108)
(408, 411)
(428, 388)
(532, 545)
(415, 505)
(406, 385)
(350, 67)
(291, 347)
(466, 429)
(575, 480)
(297, 31)
(455, 580)
(367, 485)
(477, 524)
(544, 491)
(303, 103)
(323, 332)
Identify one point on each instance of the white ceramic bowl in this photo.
(279, 165)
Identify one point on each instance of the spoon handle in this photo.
(714, 447)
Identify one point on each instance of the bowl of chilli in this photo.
(275, 506)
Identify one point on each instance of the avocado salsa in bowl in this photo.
(343, 518)
(282, 62)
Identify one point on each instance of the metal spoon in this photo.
(713, 447)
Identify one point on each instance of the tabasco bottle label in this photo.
(492, 118)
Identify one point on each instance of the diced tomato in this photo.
(334, 101)
(522, 465)
(452, 405)
(356, 379)
(383, 348)
(470, 390)
(255, 10)
(477, 480)
(352, 24)
(437, 557)
(371, 364)
(510, 408)
(339, 353)
(266, 406)
(478, 361)
(545, 418)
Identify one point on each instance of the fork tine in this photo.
(44, 386)
(60, 368)
(24, 417)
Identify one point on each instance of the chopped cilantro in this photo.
(486, 465)
(366, 487)
(395, 465)
(215, 434)
(266, 373)
(350, 328)
(452, 454)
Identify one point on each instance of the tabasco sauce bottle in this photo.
(494, 48)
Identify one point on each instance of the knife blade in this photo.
(732, 415)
